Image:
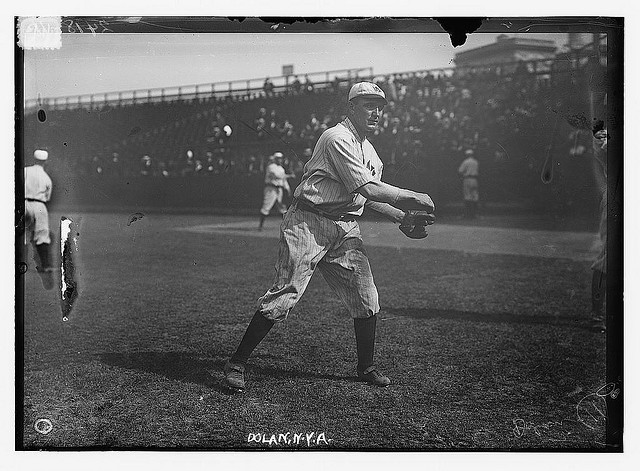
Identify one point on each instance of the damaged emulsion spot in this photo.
(135, 217)
(459, 27)
(42, 116)
(547, 168)
(69, 284)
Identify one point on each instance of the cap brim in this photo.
(371, 95)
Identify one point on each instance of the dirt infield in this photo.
(460, 238)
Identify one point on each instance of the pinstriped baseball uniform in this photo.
(342, 162)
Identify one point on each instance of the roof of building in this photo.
(505, 43)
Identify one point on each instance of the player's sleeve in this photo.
(269, 175)
(47, 191)
(347, 162)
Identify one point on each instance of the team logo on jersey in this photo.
(371, 169)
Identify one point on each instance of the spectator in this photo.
(268, 87)
(296, 86)
(430, 119)
(308, 85)
(145, 167)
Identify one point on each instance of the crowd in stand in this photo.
(431, 119)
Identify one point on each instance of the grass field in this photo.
(486, 350)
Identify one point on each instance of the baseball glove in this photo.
(414, 224)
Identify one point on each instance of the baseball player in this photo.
(37, 192)
(599, 266)
(320, 231)
(275, 184)
(468, 170)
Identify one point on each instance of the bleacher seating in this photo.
(510, 119)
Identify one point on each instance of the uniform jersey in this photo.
(37, 191)
(37, 184)
(342, 162)
(275, 175)
(468, 167)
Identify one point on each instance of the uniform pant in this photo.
(36, 223)
(470, 189)
(601, 260)
(307, 241)
(272, 196)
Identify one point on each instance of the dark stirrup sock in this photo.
(365, 329)
(258, 328)
(44, 253)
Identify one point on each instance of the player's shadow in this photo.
(258, 368)
(182, 366)
(497, 318)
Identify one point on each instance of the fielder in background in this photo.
(275, 184)
(320, 230)
(37, 193)
(469, 170)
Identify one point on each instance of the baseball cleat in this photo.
(372, 376)
(234, 375)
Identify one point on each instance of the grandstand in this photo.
(204, 146)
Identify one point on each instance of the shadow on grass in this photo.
(497, 318)
(295, 374)
(181, 366)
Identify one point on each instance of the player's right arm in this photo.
(356, 177)
(398, 197)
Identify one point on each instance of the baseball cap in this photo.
(278, 155)
(366, 89)
(468, 152)
(40, 155)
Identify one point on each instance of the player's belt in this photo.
(471, 176)
(312, 209)
(36, 200)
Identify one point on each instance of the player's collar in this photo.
(349, 125)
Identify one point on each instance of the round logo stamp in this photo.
(43, 426)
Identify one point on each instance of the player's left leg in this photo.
(269, 199)
(42, 242)
(304, 239)
(598, 300)
(599, 277)
(347, 271)
(598, 296)
(45, 266)
(475, 197)
(282, 207)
